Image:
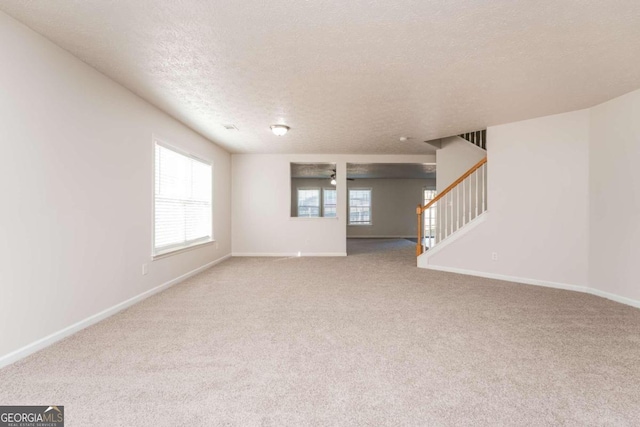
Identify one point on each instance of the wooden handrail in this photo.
(452, 186)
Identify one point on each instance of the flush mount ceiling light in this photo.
(279, 130)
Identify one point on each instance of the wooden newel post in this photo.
(419, 242)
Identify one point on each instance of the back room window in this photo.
(360, 206)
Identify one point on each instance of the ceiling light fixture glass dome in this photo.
(279, 130)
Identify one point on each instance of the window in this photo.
(428, 195)
(182, 200)
(329, 202)
(308, 202)
(429, 218)
(360, 206)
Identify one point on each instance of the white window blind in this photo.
(182, 200)
(360, 206)
(309, 202)
(329, 202)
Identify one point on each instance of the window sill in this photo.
(176, 251)
(360, 225)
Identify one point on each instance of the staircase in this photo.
(458, 205)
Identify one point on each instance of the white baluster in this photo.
(464, 202)
(446, 215)
(468, 179)
(430, 244)
(439, 222)
(451, 213)
(477, 198)
(457, 207)
(424, 238)
(484, 185)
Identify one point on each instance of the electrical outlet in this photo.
(494, 256)
(145, 269)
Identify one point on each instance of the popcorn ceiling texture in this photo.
(351, 76)
(366, 170)
(363, 340)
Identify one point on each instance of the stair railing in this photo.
(461, 202)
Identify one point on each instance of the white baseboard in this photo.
(614, 297)
(536, 282)
(382, 237)
(515, 279)
(35, 346)
(288, 254)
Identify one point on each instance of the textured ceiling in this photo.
(351, 76)
(391, 170)
(312, 170)
(366, 170)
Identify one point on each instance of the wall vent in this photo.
(229, 126)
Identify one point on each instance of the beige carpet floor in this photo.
(363, 340)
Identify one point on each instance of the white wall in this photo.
(537, 205)
(76, 184)
(262, 224)
(393, 206)
(455, 158)
(614, 184)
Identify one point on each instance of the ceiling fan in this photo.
(333, 177)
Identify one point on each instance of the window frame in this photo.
(323, 204)
(194, 244)
(360, 224)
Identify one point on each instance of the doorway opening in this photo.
(381, 204)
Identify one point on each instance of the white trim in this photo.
(40, 344)
(181, 249)
(522, 280)
(536, 282)
(614, 297)
(288, 254)
(380, 237)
